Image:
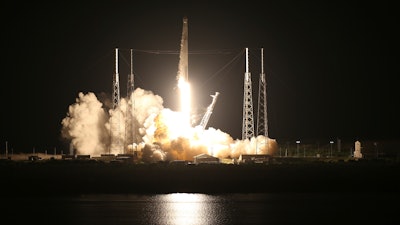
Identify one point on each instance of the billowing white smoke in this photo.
(85, 125)
(146, 106)
(155, 131)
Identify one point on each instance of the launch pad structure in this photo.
(130, 134)
(115, 125)
(248, 120)
(248, 131)
(206, 117)
(116, 144)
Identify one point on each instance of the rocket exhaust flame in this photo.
(159, 129)
(162, 134)
(184, 91)
(183, 81)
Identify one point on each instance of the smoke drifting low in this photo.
(142, 123)
(85, 125)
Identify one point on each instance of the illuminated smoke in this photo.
(84, 125)
(141, 123)
(160, 133)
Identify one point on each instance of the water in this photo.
(203, 209)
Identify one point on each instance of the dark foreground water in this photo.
(202, 209)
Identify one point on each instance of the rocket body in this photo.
(183, 55)
(182, 77)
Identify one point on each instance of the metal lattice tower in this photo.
(248, 124)
(115, 131)
(131, 81)
(129, 127)
(262, 121)
(116, 97)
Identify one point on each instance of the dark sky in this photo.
(329, 66)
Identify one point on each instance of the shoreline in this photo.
(78, 178)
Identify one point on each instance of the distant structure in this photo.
(357, 150)
(131, 80)
(116, 97)
(262, 120)
(129, 123)
(71, 149)
(6, 149)
(205, 159)
(115, 125)
(206, 117)
(253, 158)
(248, 124)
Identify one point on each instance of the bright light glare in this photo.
(186, 209)
(185, 197)
(184, 89)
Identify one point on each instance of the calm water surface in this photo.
(203, 209)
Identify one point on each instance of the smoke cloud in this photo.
(142, 123)
(85, 125)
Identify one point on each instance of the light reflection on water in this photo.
(204, 209)
(187, 209)
(165, 209)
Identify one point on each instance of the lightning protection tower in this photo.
(131, 82)
(116, 97)
(115, 120)
(129, 127)
(262, 122)
(248, 124)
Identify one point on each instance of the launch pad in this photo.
(139, 123)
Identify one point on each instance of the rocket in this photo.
(183, 55)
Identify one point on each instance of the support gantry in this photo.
(262, 120)
(115, 119)
(248, 121)
(129, 119)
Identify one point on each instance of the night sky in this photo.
(329, 66)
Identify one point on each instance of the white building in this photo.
(205, 159)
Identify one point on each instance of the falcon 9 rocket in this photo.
(182, 77)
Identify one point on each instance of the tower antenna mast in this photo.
(129, 127)
(262, 120)
(116, 97)
(115, 120)
(248, 124)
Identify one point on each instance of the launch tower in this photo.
(262, 125)
(248, 124)
(115, 126)
(131, 82)
(116, 97)
(129, 127)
